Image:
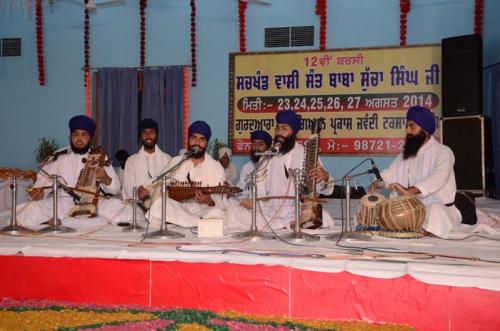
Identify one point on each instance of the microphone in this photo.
(273, 150)
(191, 151)
(374, 170)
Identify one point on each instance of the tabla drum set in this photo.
(398, 217)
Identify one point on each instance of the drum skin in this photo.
(369, 209)
(402, 214)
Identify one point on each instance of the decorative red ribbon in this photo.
(478, 17)
(321, 12)
(193, 43)
(142, 7)
(242, 7)
(404, 7)
(39, 43)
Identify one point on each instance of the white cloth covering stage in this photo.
(459, 262)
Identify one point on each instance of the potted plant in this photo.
(46, 148)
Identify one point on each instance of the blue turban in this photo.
(82, 122)
(289, 117)
(200, 127)
(148, 123)
(263, 135)
(423, 117)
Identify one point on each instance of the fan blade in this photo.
(257, 2)
(110, 3)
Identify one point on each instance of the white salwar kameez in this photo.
(231, 173)
(142, 168)
(210, 173)
(431, 171)
(69, 166)
(277, 181)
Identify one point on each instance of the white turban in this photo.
(224, 150)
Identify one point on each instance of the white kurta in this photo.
(142, 168)
(231, 174)
(209, 173)
(69, 166)
(277, 181)
(431, 171)
(244, 182)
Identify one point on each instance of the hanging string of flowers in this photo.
(404, 7)
(87, 93)
(242, 7)
(185, 114)
(193, 43)
(86, 64)
(321, 12)
(39, 43)
(142, 7)
(478, 17)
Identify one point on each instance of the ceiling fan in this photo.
(257, 2)
(92, 5)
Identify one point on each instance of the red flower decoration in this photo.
(404, 7)
(39, 43)
(142, 7)
(242, 7)
(193, 43)
(321, 12)
(478, 17)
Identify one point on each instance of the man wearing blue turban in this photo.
(69, 163)
(277, 181)
(260, 141)
(201, 168)
(425, 168)
(144, 166)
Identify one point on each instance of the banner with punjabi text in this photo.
(360, 95)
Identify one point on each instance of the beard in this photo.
(82, 150)
(253, 157)
(286, 143)
(413, 144)
(149, 145)
(200, 152)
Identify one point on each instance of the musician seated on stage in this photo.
(275, 185)
(147, 164)
(199, 168)
(69, 165)
(425, 168)
(261, 141)
(122, 156)
(230, 169)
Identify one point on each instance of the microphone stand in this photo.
(134, 227)
(164, 233)
(55, 224)
(14, 228)
(254, 234)
(347, 232)
(297, 235)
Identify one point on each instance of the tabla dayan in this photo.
(402, 217)
(369, 209)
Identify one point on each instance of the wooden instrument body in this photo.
(311, 215)
(88, 185)
(184, 191)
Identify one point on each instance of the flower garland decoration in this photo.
(242, 7)
(193, 43)
(142, 7)
(321, 12)
(404, 7)
(185, 114)
(86, 64)
(478, 17)
(39, 42)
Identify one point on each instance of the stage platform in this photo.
(427, 283)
